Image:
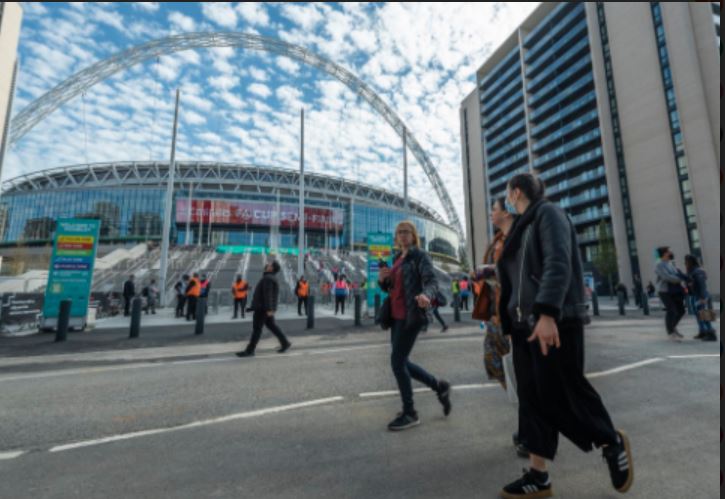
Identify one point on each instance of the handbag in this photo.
(385, 315)
(706, 315)
(482, 307)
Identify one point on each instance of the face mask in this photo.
(510, 208)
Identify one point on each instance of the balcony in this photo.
(568, 147)
(564, 113)
(571, 164)
(585, 120)
(565, 58)
(572, 89)
(559, 80)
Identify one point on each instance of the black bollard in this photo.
(135, 318)
(620, 302)
(200, 313)
(358, 310)
(456, 307)
(645, 303)
(310, 312)
(377, 309)
(61, 332)
(595, 303)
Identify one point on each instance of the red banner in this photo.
(226, 212)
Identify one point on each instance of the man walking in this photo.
(264, 306)
(180, 288)
(302, 292)
(670, 282)
(240, 288)
(129, 291)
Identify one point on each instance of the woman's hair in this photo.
(662, 250)
(531, 185)
(501, 202)
(409, 225)
(692, 261)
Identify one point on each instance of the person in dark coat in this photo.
(129, 291)
(543, 307)
(264, 306)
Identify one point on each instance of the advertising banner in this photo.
(380, 247)
(226, 212)
(71, 270)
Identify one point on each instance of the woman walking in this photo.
(699, 297)
(411, 284)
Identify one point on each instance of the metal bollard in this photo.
(456, 307)
(595, 303)
(358, 310)
(310, 312)
(215, 303)
(200, 313)
(61, 332)
(135, 318)
(377, 309)
(645, 303)
(620, 302)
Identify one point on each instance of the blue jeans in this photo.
(703, 326)
(402, 341)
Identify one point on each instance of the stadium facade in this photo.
(232, 206)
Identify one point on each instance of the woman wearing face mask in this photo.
(411, 284)
(542, 307)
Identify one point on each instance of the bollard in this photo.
(645, 303)
(200, 313)
(620, 302)
(595, 303)
(456, 307)
(358, 310)
(377, 309)
(310, 312)
(215, 303)
(61, 331)
(135, 318)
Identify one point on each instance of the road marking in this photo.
(694, 356)
(196, 424)
(623, 368)
(478, 386)
(11, 455)
(390, 393)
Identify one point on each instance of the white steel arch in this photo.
(37, 110)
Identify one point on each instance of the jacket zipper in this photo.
(521, 272)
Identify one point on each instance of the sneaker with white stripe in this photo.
(619, 460)
(528, 486)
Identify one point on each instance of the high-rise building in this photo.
(11, 15)
(615, 106)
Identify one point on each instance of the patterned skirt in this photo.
(495, 346)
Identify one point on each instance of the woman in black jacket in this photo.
(543, 308)
(411, 284)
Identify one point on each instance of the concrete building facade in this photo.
(615, 106)
(11, 15)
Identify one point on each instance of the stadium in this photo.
(226, 217)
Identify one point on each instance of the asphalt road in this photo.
(312, 423)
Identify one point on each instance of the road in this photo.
(312, 423)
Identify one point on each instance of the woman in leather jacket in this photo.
(542, 307)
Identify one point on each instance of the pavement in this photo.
(178, 419)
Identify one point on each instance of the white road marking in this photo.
(197, 424)
(623, 368)
(694, 356)
(11, 455)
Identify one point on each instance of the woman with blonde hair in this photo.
(411, 284)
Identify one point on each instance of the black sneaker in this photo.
(444, 396)
(619, 460)
(533, 484)
(284, 347)
(444, 329)
(404, 421)
(699, 336)
(244, 353)
(709, 337)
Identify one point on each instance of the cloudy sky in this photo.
(243, 106)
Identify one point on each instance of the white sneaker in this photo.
(675, 337)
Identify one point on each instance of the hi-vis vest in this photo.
(196, 289)
(240, 290)
(304, 289)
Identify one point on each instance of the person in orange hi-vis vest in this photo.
(240, 288)
(302, 292)
(193, 291)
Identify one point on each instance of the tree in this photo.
(605, 259)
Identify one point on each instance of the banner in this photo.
(71, 270)
(380, 247)
(226, 212)
(20, 311)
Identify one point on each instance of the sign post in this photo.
(380, 247)
(71, 271)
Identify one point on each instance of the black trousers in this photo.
(340, 303)
(438, 317)
(191, 307)
(402, 341)
(126, 305)
(259, 320)
(240, 303)
(555, 397)
(675, 307)
(300, 302)
(180, 300)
